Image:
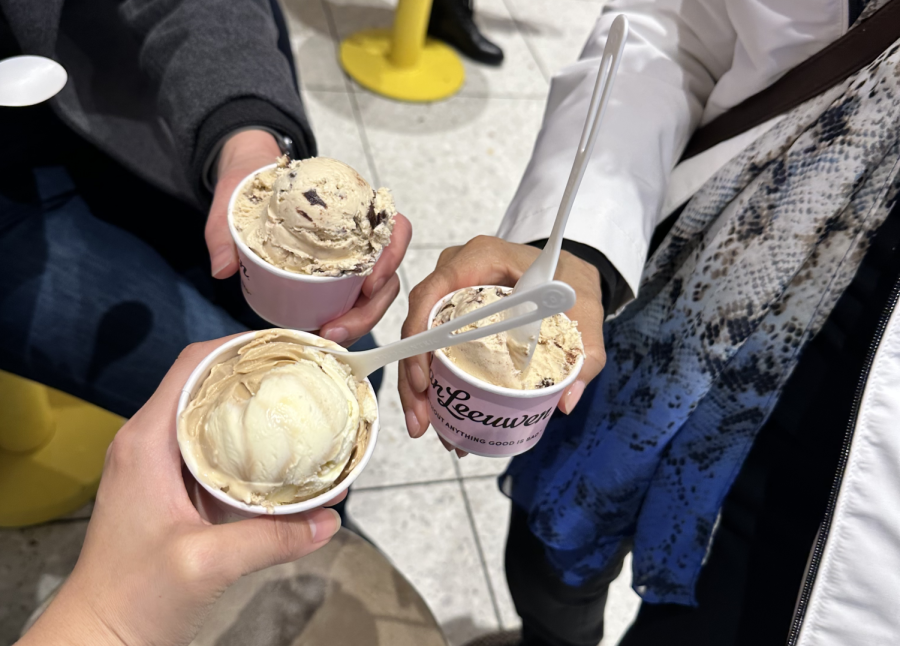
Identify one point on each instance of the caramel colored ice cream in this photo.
(315, 216)
(279, 423)
(488, 358)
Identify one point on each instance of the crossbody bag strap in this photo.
(842, 58)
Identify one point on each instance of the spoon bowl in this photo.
(27, 80)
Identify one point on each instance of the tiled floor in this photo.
(453, 167)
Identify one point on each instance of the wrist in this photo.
(68, 621)
(247, 149)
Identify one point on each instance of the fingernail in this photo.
(337, 334)
(324, 525)
(378, 285)
(572, 396)
(221, 258)
(417, 377)
(412, 424)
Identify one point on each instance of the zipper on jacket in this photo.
(815, 559)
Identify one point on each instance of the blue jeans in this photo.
(105, 279)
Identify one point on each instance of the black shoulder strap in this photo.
(842, 58)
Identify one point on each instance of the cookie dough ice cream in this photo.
(558, 349)
(279, 423)
(315, 216)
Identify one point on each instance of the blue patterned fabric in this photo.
(695, 364)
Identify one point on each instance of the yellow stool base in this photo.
(63, 474)
(438, 74)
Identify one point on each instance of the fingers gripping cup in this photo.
(307, 233)
(269, 425)
(478, 401)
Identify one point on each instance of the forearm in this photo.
(656, 103)
(217, 69)
(71, 621)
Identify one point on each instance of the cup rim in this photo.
(261, 262)
(489, 387)
(200, 372)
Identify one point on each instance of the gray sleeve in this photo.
(214, 62)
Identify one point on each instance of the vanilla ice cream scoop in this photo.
(279, 423)
(558, 349)
(315, 216)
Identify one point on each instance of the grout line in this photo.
(404, 279)
(351, 95)
(431, 246)
(322, 89)
(405, 485)
(484, 569)
(528, 44)
(358, 89)
(361, 128)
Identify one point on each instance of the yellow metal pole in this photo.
(26, 419)
(410, 27)
(403, 62)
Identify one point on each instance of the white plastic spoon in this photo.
(542, 301)
(544, 267)
(27, 80)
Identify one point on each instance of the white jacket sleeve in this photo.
(677, 51)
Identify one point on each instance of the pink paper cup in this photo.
(285, 298)
(215, 505)
(481, 418)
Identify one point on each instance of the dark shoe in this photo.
(505, 638)
(452, 22)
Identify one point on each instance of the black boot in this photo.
(451, 21)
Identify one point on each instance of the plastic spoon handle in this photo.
(544, 267)
(543, 301)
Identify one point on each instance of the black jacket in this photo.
(157, 84)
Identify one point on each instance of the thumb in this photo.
(223, 260)
(257, 543)
(594, 360)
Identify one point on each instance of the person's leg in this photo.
(85, 306)
(553, 613)
(452, 22)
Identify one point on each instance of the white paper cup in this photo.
(285, 298)
(481, 418)
(224, 508)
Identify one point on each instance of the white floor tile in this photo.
(425, 531)
(31, 559)
(419, 262)
(621, 606)
(475, 465)
(520, 75)
(490, 508)
(453, 166)
(314, 48)
(399, 459)
(388, 328)
(336, 129)
(556, 37)
(351, 16)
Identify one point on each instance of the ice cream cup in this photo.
(285, 298)
(481, 418)
(218, 506)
